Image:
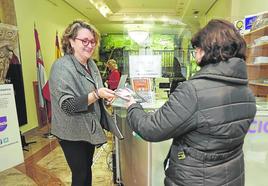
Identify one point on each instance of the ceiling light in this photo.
(101, 7)
(164, 19)
(139, 36)
(104, 10)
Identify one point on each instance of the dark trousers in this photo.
(79, 156)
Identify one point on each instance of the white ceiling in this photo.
(158, 16)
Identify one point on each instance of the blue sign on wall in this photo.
(249, 21)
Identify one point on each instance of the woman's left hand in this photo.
(126, 95)
(110, 101)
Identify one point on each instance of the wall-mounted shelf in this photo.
(251, 36)
(257, 62)
(256, 51)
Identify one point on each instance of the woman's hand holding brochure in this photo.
(127, 95)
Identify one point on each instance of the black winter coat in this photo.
(208, 117)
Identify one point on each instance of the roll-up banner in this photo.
(11, 153)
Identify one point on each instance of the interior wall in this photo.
(234, 9)
(242, 8)
(220, 10)
(49, 17)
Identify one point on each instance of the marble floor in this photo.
(45, 164)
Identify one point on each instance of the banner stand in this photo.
(11, 153)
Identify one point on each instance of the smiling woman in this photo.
(77, 97)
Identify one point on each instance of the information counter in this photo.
(140, 162)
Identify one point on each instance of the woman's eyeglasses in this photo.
(193, 53)
(86, 42)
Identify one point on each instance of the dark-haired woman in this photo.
(77, 93)
(207, 116)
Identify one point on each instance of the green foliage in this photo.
(160, 42)
(117, 41)
(156, 42)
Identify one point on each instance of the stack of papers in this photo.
(260, 60)
(261, 40)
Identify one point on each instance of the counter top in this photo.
(148, 107)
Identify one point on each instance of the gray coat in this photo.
(208, 118)
(68, 79)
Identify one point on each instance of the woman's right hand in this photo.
(106, 93)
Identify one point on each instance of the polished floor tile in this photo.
(45, 164)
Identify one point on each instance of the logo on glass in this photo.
(3, 123)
